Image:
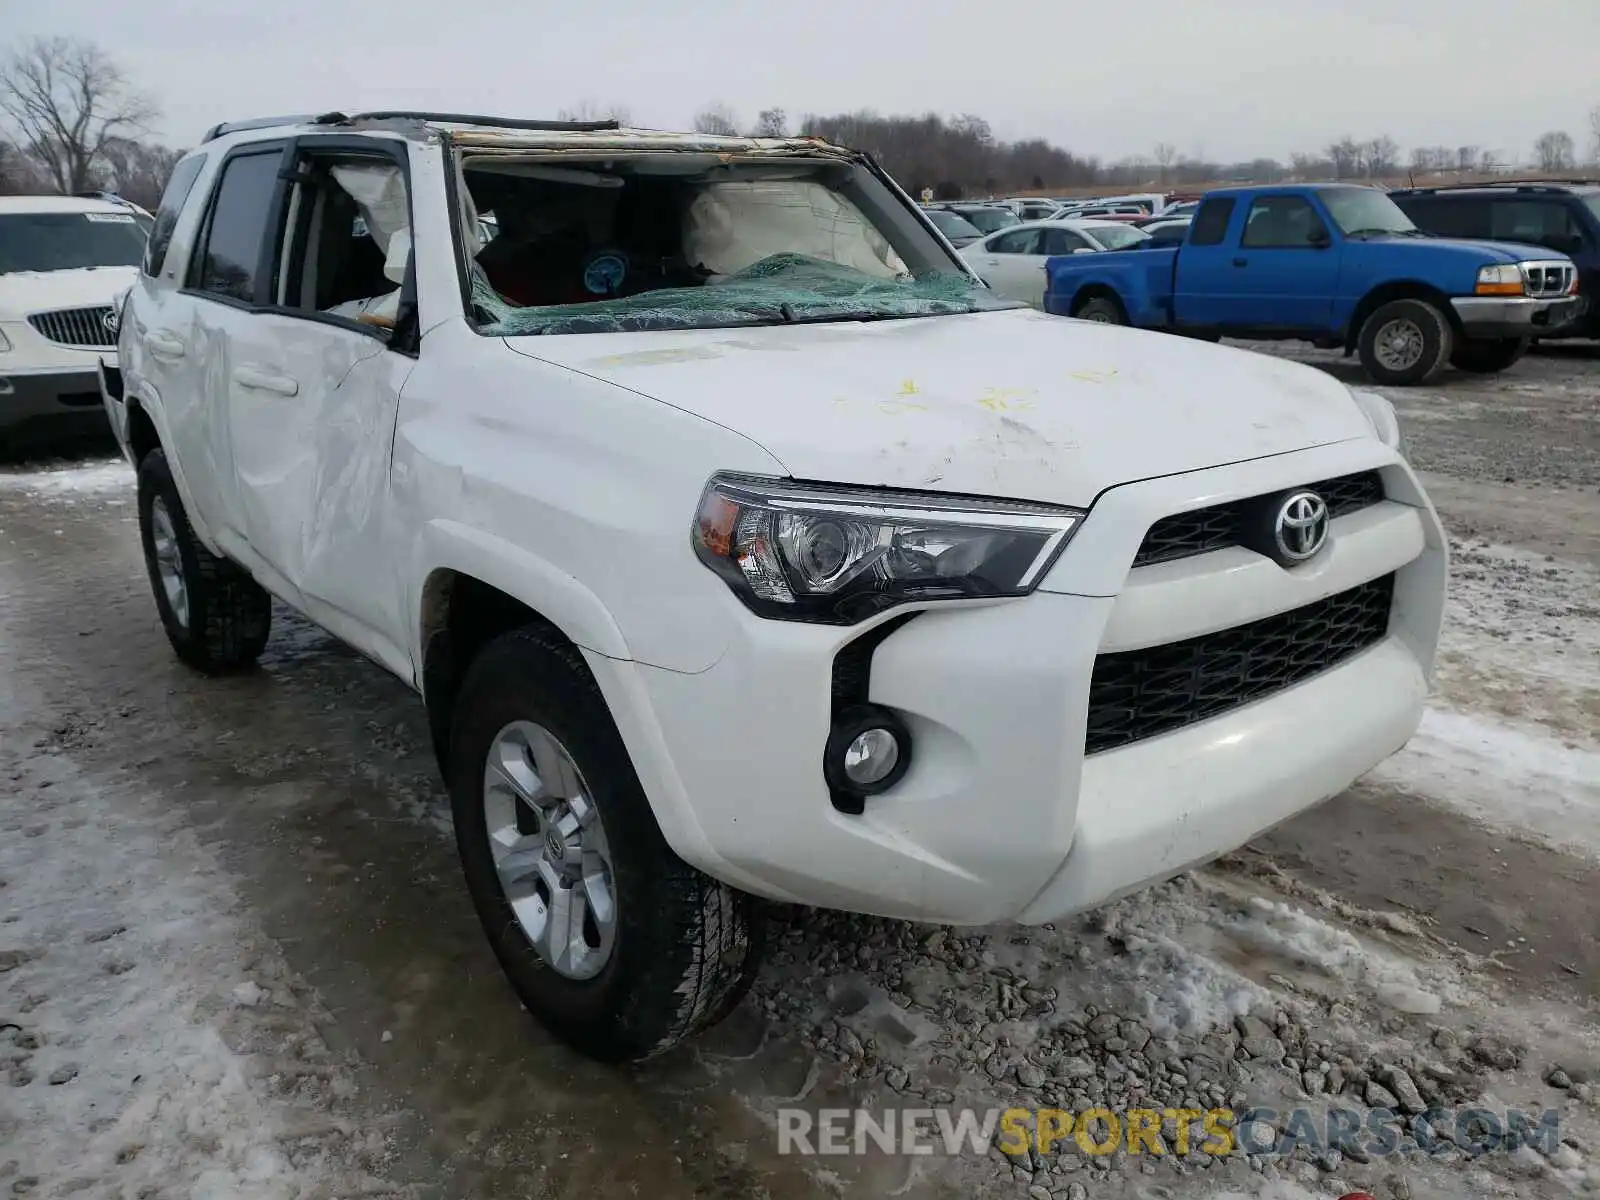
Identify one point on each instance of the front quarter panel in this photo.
(574, 495)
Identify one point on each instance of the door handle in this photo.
(1241, 262)
(163, 346)
(264, 381)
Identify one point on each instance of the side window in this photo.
(1533, 222)
(349, 240)
(1448, 216)
(179, 184)
(1281, 222)
(1210, 224)
(1063, 241)
(1017, 241)
(229, 255)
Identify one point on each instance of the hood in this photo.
(1013, 404)
(24, 292)
(1473, 253)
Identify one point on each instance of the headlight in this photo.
(1381, 416)
(836, 555)
(1502, 280)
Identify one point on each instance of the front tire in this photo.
(216, 617)
(1404, 342)
(1488, 356)
(1102, 310)
(612, 941)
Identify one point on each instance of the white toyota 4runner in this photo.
(742, 544)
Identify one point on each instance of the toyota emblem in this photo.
(1301, 527)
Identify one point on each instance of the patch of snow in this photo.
(105, 475)
(1509, 778)
(120, 952)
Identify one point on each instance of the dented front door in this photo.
(312, 408)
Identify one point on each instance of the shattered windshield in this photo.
(781, 289)
(683, 240)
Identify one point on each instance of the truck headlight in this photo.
(836, 555)
(1502, 280)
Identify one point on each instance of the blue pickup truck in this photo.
(1340, 266)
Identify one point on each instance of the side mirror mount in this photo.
(1321, 239)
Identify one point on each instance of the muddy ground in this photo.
(237, 960)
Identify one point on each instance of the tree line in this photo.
(72, 121)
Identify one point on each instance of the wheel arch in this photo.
(478, 586)
(1399, 289)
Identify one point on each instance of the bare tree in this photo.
(772, 122)
(1594, 135)
(1165, 155)
(1382, 156)
(139, 170)
(1554, 151)
(67, 100)
(590, 110)
(716, 118)
(1346, 156)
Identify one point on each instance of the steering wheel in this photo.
(604, 272)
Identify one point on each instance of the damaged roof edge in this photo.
(487, 133)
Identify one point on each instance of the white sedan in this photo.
(1012, 260)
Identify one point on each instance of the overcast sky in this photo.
(1227, 79)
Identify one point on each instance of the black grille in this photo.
(1137, 694)
(75, 326)
(1202, 530)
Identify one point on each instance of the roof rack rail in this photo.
(443, 118)
(1520, 185)
(447, 118)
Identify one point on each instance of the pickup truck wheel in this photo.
(1404, 342)
(1102, 310)
(1485, 356)
(618, 946)
(216, 617)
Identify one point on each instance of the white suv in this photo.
(741, 544)
(63, 262)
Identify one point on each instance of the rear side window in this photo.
(229, 254)
(173, 198)
(1210, 224)
(1063, 241)
(1534, 222)
(1017, 241)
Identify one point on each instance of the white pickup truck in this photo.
(743, 545)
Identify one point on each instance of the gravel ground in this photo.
(236, 959)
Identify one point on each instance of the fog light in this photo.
(870, 758)
(867, 752)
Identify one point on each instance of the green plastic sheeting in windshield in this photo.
(780, 289)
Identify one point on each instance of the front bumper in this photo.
(1002, 816)
(56, 401)
(1514, 316)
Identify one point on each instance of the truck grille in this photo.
(1202, 530)
(1549, 279)
(1138, 694)
(75, 326)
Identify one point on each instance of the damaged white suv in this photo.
(742, 544)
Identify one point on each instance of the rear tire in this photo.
(1404, 342)
(679, 950)
(1487, 356)
(1102, 310)
(216, 617)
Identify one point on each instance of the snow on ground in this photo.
(95, 476)
(1513, 738)
(151, 1042)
